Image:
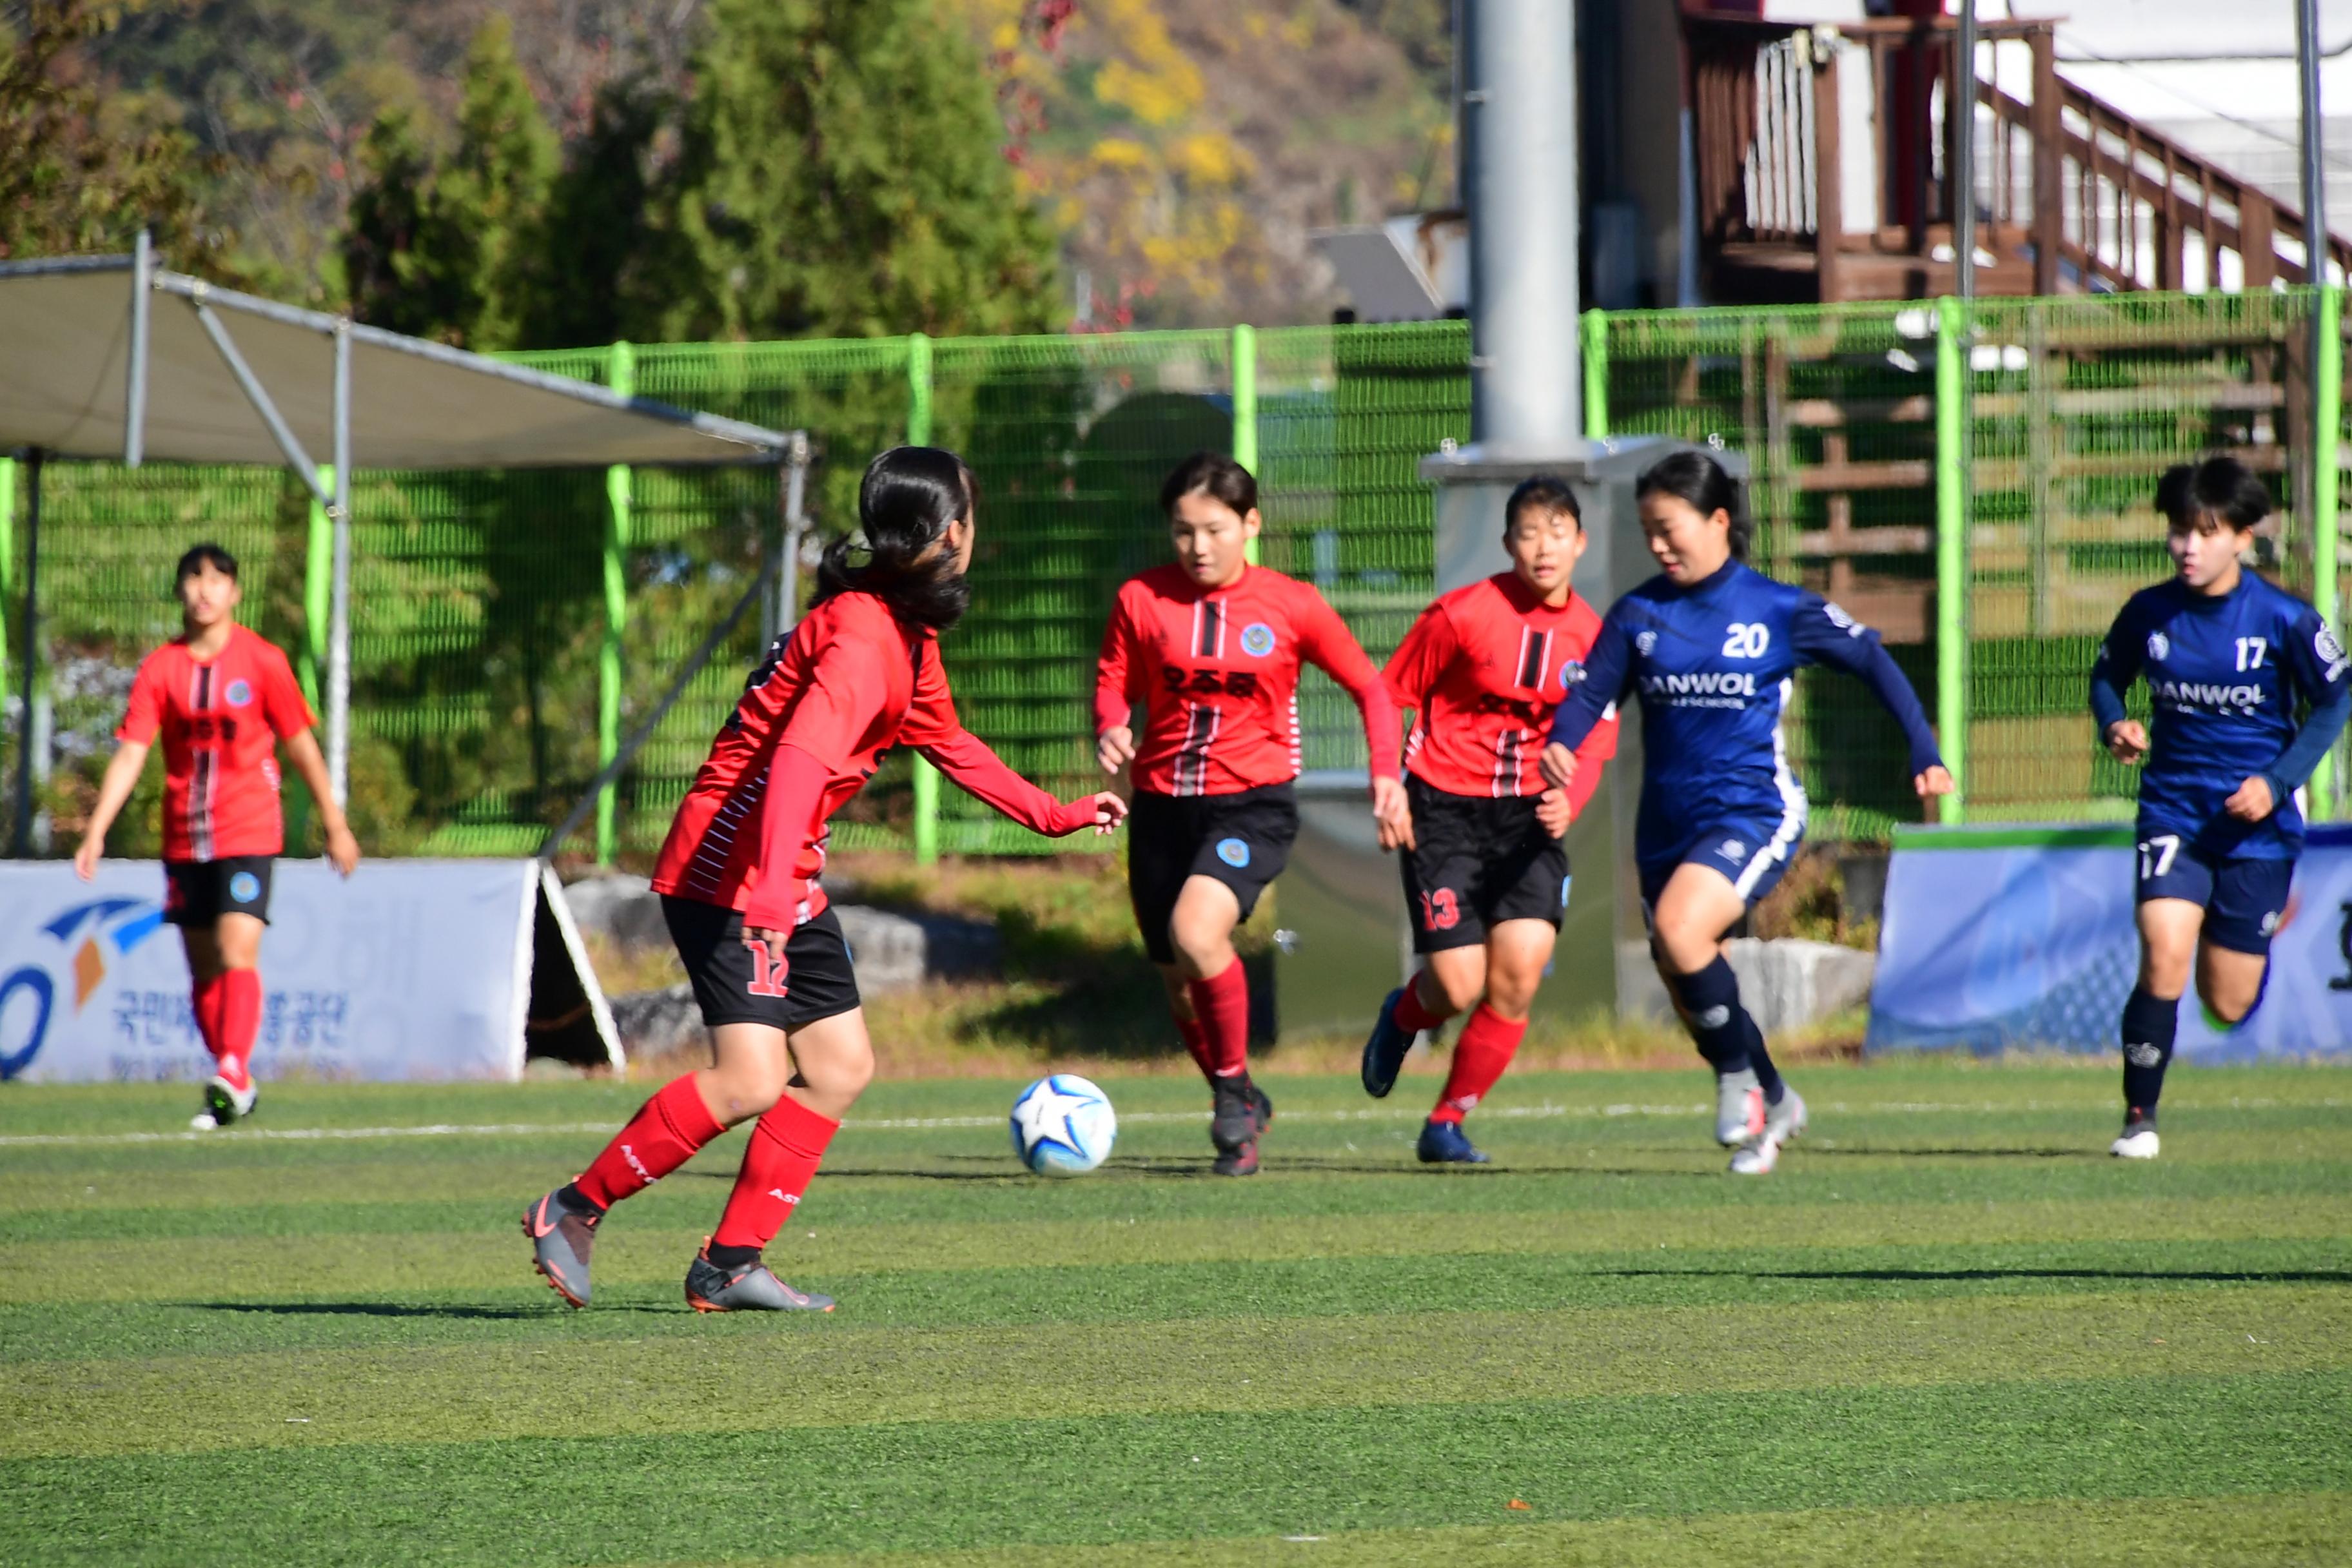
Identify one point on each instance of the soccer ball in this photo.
(1063, 1126)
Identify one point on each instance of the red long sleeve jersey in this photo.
(1216, 673)
(221, 719)
(850, 682)
(1484, 668)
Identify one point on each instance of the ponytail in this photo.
(908, 499)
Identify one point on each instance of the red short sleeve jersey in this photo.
(1483, 669)
(850, 682)
(1216, 674)
(221, 719)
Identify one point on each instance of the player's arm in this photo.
(2112, 673)
(1823, 635)
(302, 751)
(1325, 641)
(1411, 672)
(1608, 671)
(122, 777)
(1592, 759)
(1114, 701)
(2323, 676)
(933, 728)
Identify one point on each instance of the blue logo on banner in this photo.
(1257, 640)
(1234, 852)
(240, 695)
(245, 887)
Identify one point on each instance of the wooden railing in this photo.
(2071, 195)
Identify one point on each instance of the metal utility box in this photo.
(1342, 941)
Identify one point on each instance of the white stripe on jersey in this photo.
(1793, 806)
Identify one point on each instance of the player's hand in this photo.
(1935, 781)
(343, 850)
(1557, 765)
(2127, 741)
(1393, 812)
(1553, 810)
(85, 857)
(1110, 810)
(775, 943)
(2252, 801)
(1115, 748)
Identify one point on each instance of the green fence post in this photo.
(1244, 373)
(1951, 555)
(620, 491)
(1595, 331)
(2326, 419)
(318, 583)
(919, 434)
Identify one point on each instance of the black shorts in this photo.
(2243, 898)
(1478, 862)
(730, 978)
(1243, 840)
(198, 892)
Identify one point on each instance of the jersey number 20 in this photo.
(1747, 639)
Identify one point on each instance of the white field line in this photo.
(928, 1123)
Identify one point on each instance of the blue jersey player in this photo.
(1709, 647)
(2229, 660)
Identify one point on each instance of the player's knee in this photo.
(741, 1090)
(1457, 987)
(1203, 944)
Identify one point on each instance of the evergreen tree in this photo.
(841, 175)
(459, 251)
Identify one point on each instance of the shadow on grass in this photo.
(1847, 1147)
(374, 1310)
(1931, 1276)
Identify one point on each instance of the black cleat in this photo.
(746, 1288)
(1444, 1143)
(1384, 1051)
(1241, 1113)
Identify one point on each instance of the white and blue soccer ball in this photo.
(1063, 1126)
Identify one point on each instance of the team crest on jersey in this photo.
(1734, 850)
(239, 694)
(1257, 640)
(1571, 674)
(2330, 651)
(2159, 645)
(1840, 619)
(1647, 643)
(1234, 852)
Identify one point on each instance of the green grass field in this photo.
(1949, 1330)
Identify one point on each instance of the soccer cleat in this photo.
(2139, 1142)
(1444, 1143)
(204, 1121)
(1261, 1108)
(1384, 1051)
(1757, 1158)
(747, 1288)
(1740, 1107)
(1241, 1160)
(225, 1102)
(1786, 1122)
(561, 1236)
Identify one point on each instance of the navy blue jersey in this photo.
(1712, 665)
(2228, 678)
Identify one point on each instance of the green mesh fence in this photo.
(479, 613)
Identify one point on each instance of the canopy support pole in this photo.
(338, 613)
(788, 575)
(259, 395)
(134, 393)
(22, 840)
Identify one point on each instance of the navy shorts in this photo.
(2243, 900)
(731, 982)
(1752, 853)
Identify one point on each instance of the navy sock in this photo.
(731, 1256)
(2149, 1024)
(1767, 1075)
(1712, 1013)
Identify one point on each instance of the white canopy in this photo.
(68, 360)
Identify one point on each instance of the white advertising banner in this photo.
(412, 969)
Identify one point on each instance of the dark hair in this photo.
(904, 503)
(1548, 491)
(2221, 487)
(1214, 475)
(200, 556)
(1698, 481)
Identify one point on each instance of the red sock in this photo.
(1413, 1014)
(1488, 1043)
(662, 1136)
(238, 1001)
(207, 995)
(1196, 1040)
(778, 1165)
(1222, 1003)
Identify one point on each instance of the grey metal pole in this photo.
(1961, 99)
(339, 610)
(1518, 128)
(134, 380)
(788, 572)
(22, 839)
(2315, 177)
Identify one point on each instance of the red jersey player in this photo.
(1485, 873)
(222, 698)
(1210, 649)
(739, 880)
